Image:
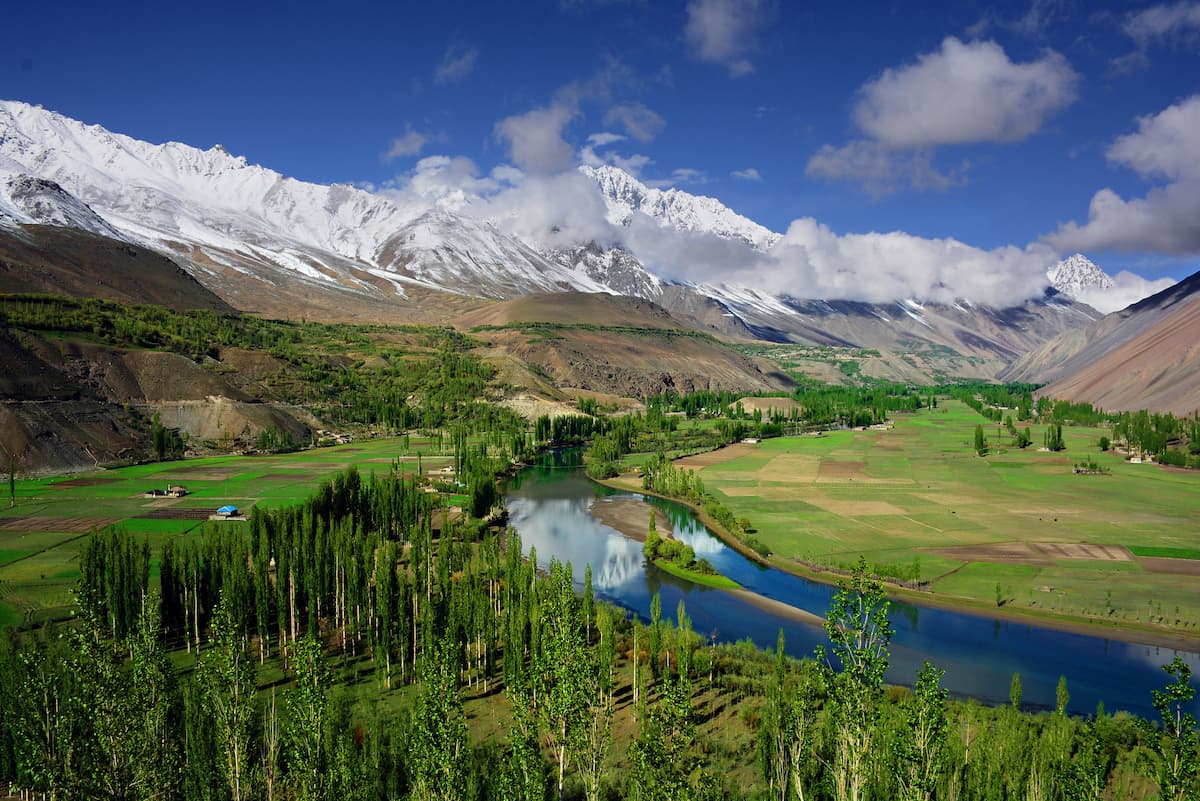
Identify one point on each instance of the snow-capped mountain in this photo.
(674, 208)
(222, 216)
(266, 242)
(1077, 274)
(25, 199)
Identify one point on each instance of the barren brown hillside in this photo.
(50, 260)
(1158, 370)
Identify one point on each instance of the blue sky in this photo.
(995, 124)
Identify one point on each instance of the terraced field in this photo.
(1016, 528)
(41, 534)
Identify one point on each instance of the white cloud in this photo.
(748, 174)
(1163, 23)
(552, 211)
(1035, 22)
(604, 139)
(409, 143)
(1167, 218)
(725, 31)
(448, 181)
(535, 138)
(813, 261)
(1128, 288)
(963, 93)
(640, 122)
(966, 92)
(880, 170)
(678, 177)
(457, 63)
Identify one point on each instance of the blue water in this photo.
(551, 507)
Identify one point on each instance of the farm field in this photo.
(41, 535)
(1016, 529)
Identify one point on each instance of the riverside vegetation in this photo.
(339, 649)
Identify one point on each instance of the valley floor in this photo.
(1015, 533)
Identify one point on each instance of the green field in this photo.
(41, 534)
(1016, 528)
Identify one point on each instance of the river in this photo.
(551, 503)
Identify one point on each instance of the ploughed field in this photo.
(1016, 529)
(41, 535)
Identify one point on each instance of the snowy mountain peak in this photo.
(674, 208)
(35, 200)
(1076, 274)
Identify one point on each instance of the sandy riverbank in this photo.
(631, 517)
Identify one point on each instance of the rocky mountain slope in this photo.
(1146, 356)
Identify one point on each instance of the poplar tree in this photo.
(859, 632)
(228, 678)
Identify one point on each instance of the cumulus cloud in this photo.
(814, 261)
(640, 122)
(1128, 288)
(1167, 218)
(725, 31)
(535, 138)
(963, 93)
(552, 211)
(452, 182)
(748, 174)
(457, 63)
(409, 143)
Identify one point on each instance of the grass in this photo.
(39, 559)
(716, 581)
(919, 492)
(1165, 552)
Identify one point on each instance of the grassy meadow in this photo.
(41, 534)
(1015, 529)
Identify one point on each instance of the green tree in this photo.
(921, 749)
(438, 749)
(980, 441)
(306, 722)
(859, 631)
(1177, 743)
(562, 664)
(228, 678)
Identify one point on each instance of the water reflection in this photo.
(550, 506)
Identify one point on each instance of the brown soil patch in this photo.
(178, 513)
(84, 482)
(326, 467)
(1014, 553)
(726, 454)
(630, 517)
(67, 525)
(1176, 567)
(1085, 550)
(792, 468)
(767, 405)
(296, 476)
(948, 500)
(184, 474)
(854, 508)
(1036, 553)
(840, 471)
